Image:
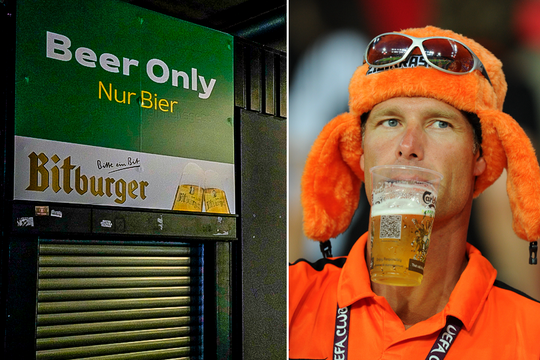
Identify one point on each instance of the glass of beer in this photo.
(402, 213)
(215, 199)
(189, 194)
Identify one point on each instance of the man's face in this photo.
(427, 133)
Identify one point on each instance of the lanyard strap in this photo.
(438, 351)
(445, 339)
(341, 335)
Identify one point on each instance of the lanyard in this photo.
(438, 351)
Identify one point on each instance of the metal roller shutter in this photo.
(119, 301)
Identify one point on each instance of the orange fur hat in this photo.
(332, 176)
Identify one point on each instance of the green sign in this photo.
(110, 74)
(114, 101)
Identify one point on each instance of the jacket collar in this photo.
(466, 300)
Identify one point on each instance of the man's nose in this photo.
(411, 145)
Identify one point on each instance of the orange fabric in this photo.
(332, 170)
(497, 323)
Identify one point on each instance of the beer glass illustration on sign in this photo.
(189, 194)
(402, 214)
(215, 199)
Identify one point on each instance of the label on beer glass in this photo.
(401, 240)
(401, 220)
(188, 198)
(215, 201)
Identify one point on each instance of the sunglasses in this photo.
(443, 53)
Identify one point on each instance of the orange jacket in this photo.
(498, 322)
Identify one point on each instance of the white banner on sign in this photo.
(72, 173)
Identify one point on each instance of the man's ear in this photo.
(479, 166)
(362, 162)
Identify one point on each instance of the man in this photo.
(435, 104)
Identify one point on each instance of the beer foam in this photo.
(399, 207)
(192, 174)
(408, 185)
(212, 180)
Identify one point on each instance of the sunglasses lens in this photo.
(387, 49)
(449, 55)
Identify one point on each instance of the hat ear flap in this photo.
(523, 181)
(332, 178)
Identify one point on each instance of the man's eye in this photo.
(390, 123)
(441, 124)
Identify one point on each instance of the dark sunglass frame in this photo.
(419, 43)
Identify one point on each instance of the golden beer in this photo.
(215, 201)
(188, 198)
(189, 193)
(399, 247)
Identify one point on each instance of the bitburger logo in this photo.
(66, 177)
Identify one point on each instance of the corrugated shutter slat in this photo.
(87, 294)
(111, 304)
(67, 272)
